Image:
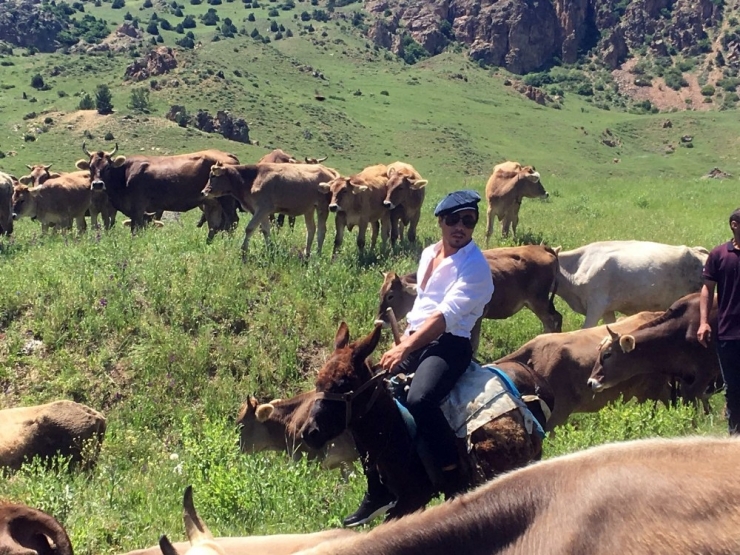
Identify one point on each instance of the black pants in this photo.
(729, 361)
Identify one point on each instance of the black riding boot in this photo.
(376, 502)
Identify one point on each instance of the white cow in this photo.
(627, 276)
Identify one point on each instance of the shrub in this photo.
(320, 15)
(188, 22)
(179, 29)
(109, 136)
(118, 4)
(288, 5)
(185, 42)
(250, 17)
(210, 18)
(128, 16)
(278, 36)
(165, 25)
(537, 79)
(103, 99)
(147, 3)
(305, 16)
(273, 26)
(152, 28)
(37, 82)
(273, 12)
(674, 79)
(86, 102)
(139, 100)
(178, 12)
(707, 90)
(288, 33)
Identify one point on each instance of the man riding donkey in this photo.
(454, 289)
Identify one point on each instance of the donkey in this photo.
(351, 397)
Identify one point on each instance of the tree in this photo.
(103, 99)
(152, 28)
(188, 22)
(86, 102)
(37, 82)
(273, 26)
(305, 16)
(118, 4)
(250, 17)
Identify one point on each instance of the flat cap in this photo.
(456, 201)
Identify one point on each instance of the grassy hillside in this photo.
(167, 335)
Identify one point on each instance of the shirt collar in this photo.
(730, 246)
(465, 250)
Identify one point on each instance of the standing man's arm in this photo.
(704, 333)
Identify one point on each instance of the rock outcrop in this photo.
(233, 128)
(159, 61)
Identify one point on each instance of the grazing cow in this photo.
(57, 202)
(522, 276)
(138, 185)
(277, 425)
(665, 346)
(404, 198)
(58, 428)
(509, 183)
(99, 201)
(6, 203)
(627, 276)
(647, 497)
(564, 361)
(201, 541)
(358, 201)
(264, 189)
(27, 531)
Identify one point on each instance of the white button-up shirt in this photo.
(460, 287)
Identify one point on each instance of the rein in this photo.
(349, 397)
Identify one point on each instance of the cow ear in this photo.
(614, 335)
(410, 289)
(263, 412)
(166, 546)
(117, 161)
(195, 528)
(627, 342)
(324, 187)
(54, 175)
(390, 172)
(341, 339)
(25, 180)
(557, 249)
(365, 347)
(84, 165)
(419, 184)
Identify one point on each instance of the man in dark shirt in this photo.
(722, 270)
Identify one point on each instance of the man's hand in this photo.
(394, 356)
(704, 334)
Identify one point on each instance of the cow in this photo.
(565, 360)
(601, 278)
(665, 346)
(523, 276)
(57, 428)
(358, 201)
(509, 183)
(264, 189)
(404, 197)
(7, 182)
(57, 202)
(277, 425)
(99, 201)
(645, 497)
(28, 531)
(138, 185)
(201, 540)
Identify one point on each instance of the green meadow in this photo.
(167, 334)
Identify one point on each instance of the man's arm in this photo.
(706, 299)
(431, 329)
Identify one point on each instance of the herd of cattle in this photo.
(651, 354)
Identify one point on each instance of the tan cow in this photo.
(565, 361)
(277, 425)
(201, 540)
(509, 183)
(99, 201)
(61, 427)
(648, 497)
(358, 201)
(28, 531)
(56, 203)
(522, 276)
(265, 189)
(404, 197)
(7, 183)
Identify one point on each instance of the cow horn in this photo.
(319, 160)
(84, 149)
(115, 149)
(614, 335)
(47, 166)
(29, 166)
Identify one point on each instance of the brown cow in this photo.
(664, 347)
(44, 431)
(7, 182)
(264, 189)
(564, 361)
(27, 531)
(404, 198)
(99, 201)
(522, 276)
(648, 497)
(277, 425)
(56, 203)
(509, 183)
(138, 185)
(358, 201)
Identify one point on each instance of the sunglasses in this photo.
(468, 221)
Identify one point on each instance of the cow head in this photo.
(396, 292)
(24, 201)
(219, 184)
(341, 190)
(342, 376)
(254, 435)
(100, 165)
(611, 367)
(201, 540)
(529, 183)
(315, 160)
(399, 185)
(39, 174)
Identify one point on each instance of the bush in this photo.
(674, 79)
(185, 42)
(320, 15)
(707, 90)
(250, 17)
(537, 79)
(103, 100)
(273, 26)
(288, 5)
(188, 22)
(210, 18)
(118, 4)
(179, 29)
(165, 25)
(139, 100)
(305, 16)
(178, 12)
(273, 12)
(288, 33)
(37, 82)
(148, 3)
(86, 102)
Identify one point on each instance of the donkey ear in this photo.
(365, 347)
(341, 339)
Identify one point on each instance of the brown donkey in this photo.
(351, 397)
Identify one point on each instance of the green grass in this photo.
(167, 335)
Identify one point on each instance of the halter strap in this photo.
(350, 396)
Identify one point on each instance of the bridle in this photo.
(350, 396)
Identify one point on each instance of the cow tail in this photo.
(554, 287)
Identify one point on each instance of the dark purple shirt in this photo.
(723, 267)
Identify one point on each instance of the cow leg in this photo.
(310, 231)
(594, 313)
(374, 231)
(395, 225)
(322, 216)
(361, 231)
(412, 228)
(514, 219)
(552, 321)
(81, 224)
(261, 219)
(609, 317)
(385, 230)
(489, 222)
(475, 336)
(340, 222)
